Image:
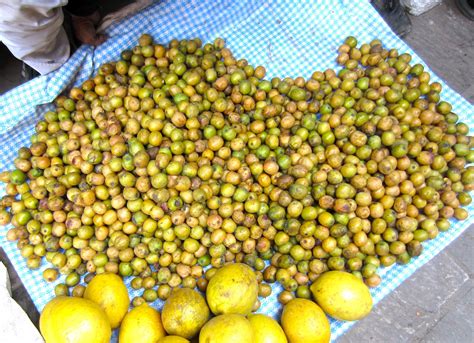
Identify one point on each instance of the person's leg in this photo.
(84, 17)
(34, 33)
(466, 7)
(394, 14)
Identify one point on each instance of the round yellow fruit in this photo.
(184, 313)
(304, 322)
(109, 291)
(232, 289)
(342, 295)
(266, 329)
(227, 328)
(74, 320)
(172, 339)
(142, 324)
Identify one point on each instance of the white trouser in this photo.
(33, 32)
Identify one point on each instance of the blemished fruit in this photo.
(74, 320)
(142, 324)
(184, 313)
(342, 295)
(111, 294)
(232, 289)
(227, 328)
(305, 322)
(266, 329)
(172, 339)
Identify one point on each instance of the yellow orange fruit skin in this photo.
(227, 328)
(172, 339)
(74, 320)
(111, 294)
(342, 295)
(305, 322)
(266, 329)
(142, 324)
(184, 313)
(232, 289)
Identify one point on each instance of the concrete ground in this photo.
(436, 303)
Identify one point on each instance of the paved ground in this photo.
(436, 303)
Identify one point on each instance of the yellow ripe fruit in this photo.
(109, 291)
(184, 313)
(227, 328)
(266, 329)
(172, 339)
(304, 322)
(74, 320)
(232, 289)
(143, 324)
(342, 295)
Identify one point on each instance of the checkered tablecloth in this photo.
(289, 38)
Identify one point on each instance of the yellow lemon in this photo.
(232, 289)
(304, 322)
(227, 328)
(342, 295)
(184, 313)
(142, 324)
(109, 291)
(74, 320)
(266, 329)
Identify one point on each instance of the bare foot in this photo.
(85, 29)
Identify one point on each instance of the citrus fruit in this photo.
(266, 329)
(342, 295)
(172, 339)
(232, 289)
(109, 291)
(305, 322)
(184, 313)
(142, 324)
(227, 328)
(74, 320)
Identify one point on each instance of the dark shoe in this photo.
(466, 7)
(394, 14)
(28, 73)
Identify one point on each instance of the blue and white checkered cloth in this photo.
(290, 38)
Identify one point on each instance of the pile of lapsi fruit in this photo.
(182, 168)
